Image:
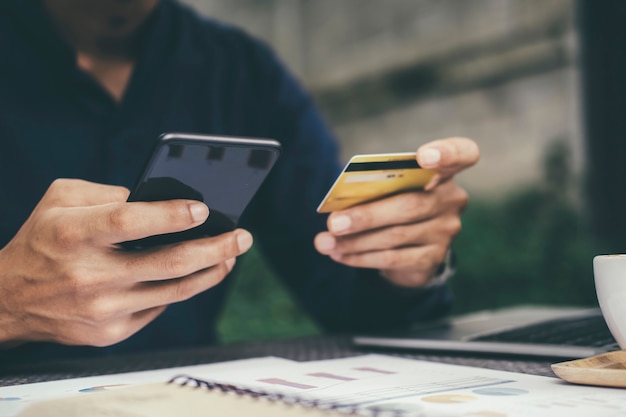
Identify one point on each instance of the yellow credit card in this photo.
(370, 177)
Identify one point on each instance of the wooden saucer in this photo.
(607, 369)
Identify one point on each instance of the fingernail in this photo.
(199, 212)
(340, 223)
(230, 263)
(244, 240)
(430, 156)
(326, 243)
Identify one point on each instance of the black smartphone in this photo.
(223, 172)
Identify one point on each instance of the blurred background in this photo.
(390, 75)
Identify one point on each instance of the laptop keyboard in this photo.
(572, 331)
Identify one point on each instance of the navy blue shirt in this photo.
(193, 75)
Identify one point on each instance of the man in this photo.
(86, 87)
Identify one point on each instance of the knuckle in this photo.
(410, 204)
(414, 200)
(417, 263)
(396, 236)
(111, 334)
(66, 235)
(61, 185)
(431, 260)
(98, 311)
(60, 188)
(118, 193)
(120, 220)
(454, 225)
(389, 258)
(175, 263)
(439, 256)
(423, 263)
(462, 198)
(362, 218)
(432, 207)
(75, 282)
(56, 186)
(84, 280)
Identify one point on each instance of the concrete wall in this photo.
(393, 74)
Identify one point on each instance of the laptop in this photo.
(533, 331)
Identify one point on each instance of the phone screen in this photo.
(223, 172)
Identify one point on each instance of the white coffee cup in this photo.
(610, 278)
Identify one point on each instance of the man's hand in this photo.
(406, 236)
(64, 279)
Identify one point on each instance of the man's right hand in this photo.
(63, 278)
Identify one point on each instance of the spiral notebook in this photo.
(185, 396)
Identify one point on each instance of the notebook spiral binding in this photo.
(186, 380)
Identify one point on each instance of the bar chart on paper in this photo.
(385, 383)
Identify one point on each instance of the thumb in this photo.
(448, 156)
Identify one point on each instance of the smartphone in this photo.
(370, 177)
(223, 172)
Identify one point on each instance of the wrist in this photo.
(444, 271)
(439, 278)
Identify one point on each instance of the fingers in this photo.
(111, 313)
(406, 236)
(448, 156)
(399, 209)
(420, 259)
(458, 153)
(125, 302)
(79, 288)
(108, 310)
(119, 222)
(440, 231)
(184, 258)
(176, 290)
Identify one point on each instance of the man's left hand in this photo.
(406, 236)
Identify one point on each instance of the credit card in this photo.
(370, 177)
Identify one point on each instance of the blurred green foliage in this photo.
(260, 307)
(531, 246)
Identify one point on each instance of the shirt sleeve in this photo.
(338, 297)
